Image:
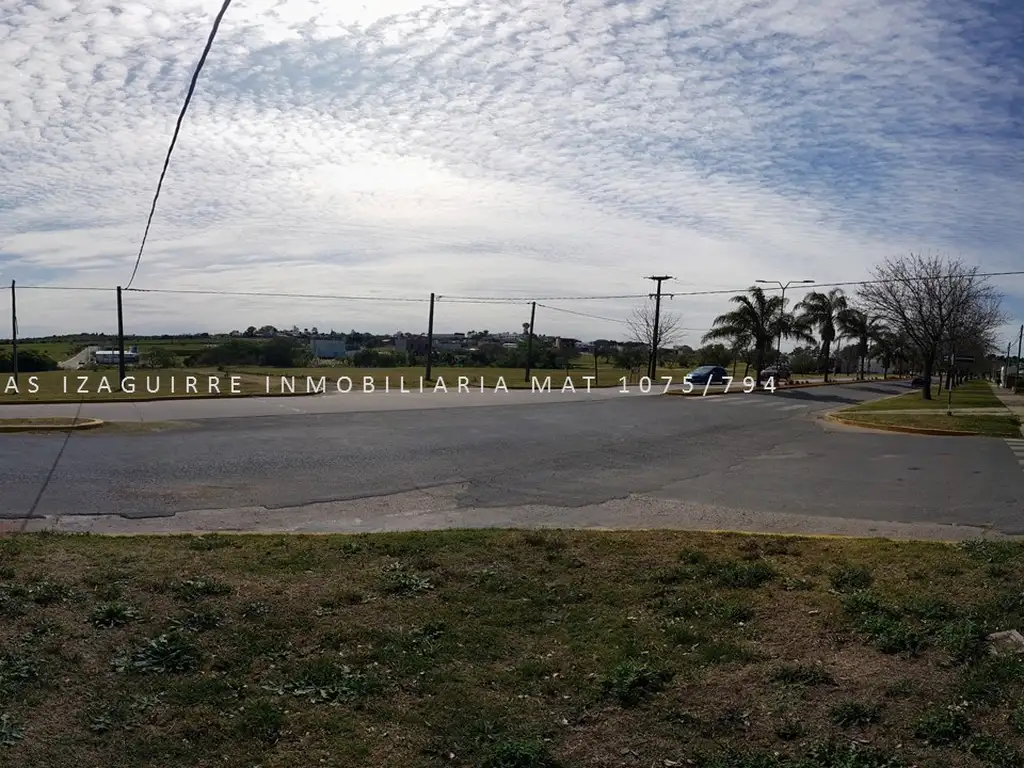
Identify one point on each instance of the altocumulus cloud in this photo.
(529, 147)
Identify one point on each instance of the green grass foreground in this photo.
(504, 649)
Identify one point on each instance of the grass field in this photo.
(979, 424)
(513, 378)
(971, 394)
(103, 385)
(508, 650)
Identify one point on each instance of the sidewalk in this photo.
(1013, 402)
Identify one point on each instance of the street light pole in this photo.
(782, 308)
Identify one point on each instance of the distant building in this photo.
(113, 356)
(329, 349)
(416, 345)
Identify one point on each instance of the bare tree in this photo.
(938, 304)
(641, 326)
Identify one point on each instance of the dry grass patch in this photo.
(507, 650)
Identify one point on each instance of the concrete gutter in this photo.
(28, 426)
(893, 428)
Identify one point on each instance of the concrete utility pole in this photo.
(652, 365)
(120, 340)
(430, 338)
(529, 341)
(14, 333)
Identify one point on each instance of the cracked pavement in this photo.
(750, 462)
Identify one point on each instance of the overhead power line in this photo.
(580, 314)
(177, 129)
(458, 299)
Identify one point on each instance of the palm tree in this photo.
(755, 318)
(821, 311)
(862, 327)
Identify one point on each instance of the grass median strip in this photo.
(988, 425)
(971, 394)
(503, 649)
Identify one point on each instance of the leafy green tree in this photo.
(756, 317)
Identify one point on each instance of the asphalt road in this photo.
(756, 461)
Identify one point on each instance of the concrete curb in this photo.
(778, 389)
(92, 401)
(80, 424)
(902, 430)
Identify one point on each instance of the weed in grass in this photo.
(113, 614)
(890, 635)
(399, 581)
(724, 653)
(866, 604)
(931, 608)
(674, 575)
(795, 584)
(998, 572)
(198, 621)
(12, 600)
(351, 597)
(16, 673)
(899, 689)
(322, 680)
(802, 674)
(211, 543)
(942, 727)
(964, 639)
(256, 609)
(728, 721)
(1016, 719)
(731, 611)
(633, 680)
(7, 573)
(49, 592)
(40, 630)
(170, 653)
(790, 730)
(995, 753)
(682, 635)
(261, 720)
(850, 578)
(218, 692)
(949, 569)
(742, 575)
(833, 755)
(10, 732)
(992, 552)
(852, 714)
(193, 589)
(990, 679)
(552, 542)
(518, 753)
(694, 557)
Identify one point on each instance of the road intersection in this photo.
(601, 459)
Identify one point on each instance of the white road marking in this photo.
(793, 407)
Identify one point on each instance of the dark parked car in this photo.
(716, 374)
(776, 372)
(918, 381)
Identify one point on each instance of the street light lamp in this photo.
(782, 308)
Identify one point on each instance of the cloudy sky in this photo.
(516, 148)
